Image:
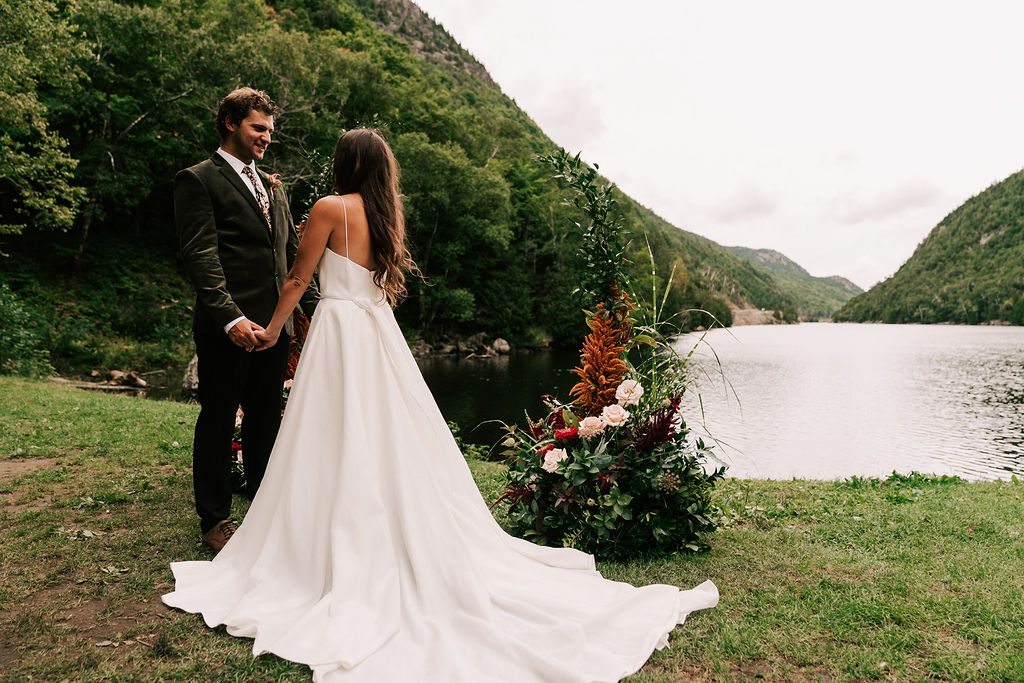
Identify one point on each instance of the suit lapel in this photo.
(239, 184)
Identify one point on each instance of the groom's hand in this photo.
(243, 334)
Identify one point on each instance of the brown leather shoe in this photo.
(218, 535)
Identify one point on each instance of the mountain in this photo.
(122, 95)
(814, 297)
(969, 269)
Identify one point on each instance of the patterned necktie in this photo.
(261, 198)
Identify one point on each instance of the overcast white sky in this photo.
(839, 132)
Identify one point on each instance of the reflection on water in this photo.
(825, 401)
(475, 392)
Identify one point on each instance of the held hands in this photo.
(266, 339)
(243, 334)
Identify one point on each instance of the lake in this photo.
(816, 400)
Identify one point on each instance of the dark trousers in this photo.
(229, 377)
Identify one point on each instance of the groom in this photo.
(238, 242)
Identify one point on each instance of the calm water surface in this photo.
(834, 400)
(813, 401)
(477, 393)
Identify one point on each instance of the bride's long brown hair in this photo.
(364, 163)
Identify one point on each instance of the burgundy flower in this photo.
(605, 481)
(545, 449)
(660, 429)
(557, 420)
(567, 435)
(536, 431)
(235, 446)
(514, 494)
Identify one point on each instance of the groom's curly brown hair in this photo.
(237, 105)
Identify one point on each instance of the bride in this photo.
(368, 553)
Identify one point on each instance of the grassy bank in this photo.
(906, 579)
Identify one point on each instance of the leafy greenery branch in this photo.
(601, 253)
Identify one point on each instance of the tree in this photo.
(37, 53)
(457, 217)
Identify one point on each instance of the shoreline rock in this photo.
(473, 346)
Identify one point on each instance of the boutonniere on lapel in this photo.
(274, 179)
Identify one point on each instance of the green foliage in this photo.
(601, 251)
(968, 270)
(37, 53)
(21, 341)
(471, 451)
(457, 217)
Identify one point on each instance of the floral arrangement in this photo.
(615, 471)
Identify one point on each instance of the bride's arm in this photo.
(322, 219)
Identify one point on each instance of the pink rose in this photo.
(614, 416)
(552, 458)
(629, 393)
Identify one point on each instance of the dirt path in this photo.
(15, 468)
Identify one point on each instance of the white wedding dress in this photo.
(369, 555)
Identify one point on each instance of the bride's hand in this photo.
(265, 339)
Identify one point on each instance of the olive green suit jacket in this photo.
(235, 263)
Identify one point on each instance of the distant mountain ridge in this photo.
(840, 281)
(770, 259)
(969, 269)
(814, 297)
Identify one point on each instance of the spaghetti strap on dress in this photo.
(344, 210)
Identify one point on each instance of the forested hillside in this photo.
(104, 100)
(969, 269)
(815, 298)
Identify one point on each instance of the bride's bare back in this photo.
(350, 231)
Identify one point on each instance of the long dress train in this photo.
(369, 555)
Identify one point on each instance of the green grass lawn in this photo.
(911, 578)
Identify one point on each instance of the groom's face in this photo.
(249, 139)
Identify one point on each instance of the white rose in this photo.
(614, 416)
(591, 426)
(629, 393)
(552, 458)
